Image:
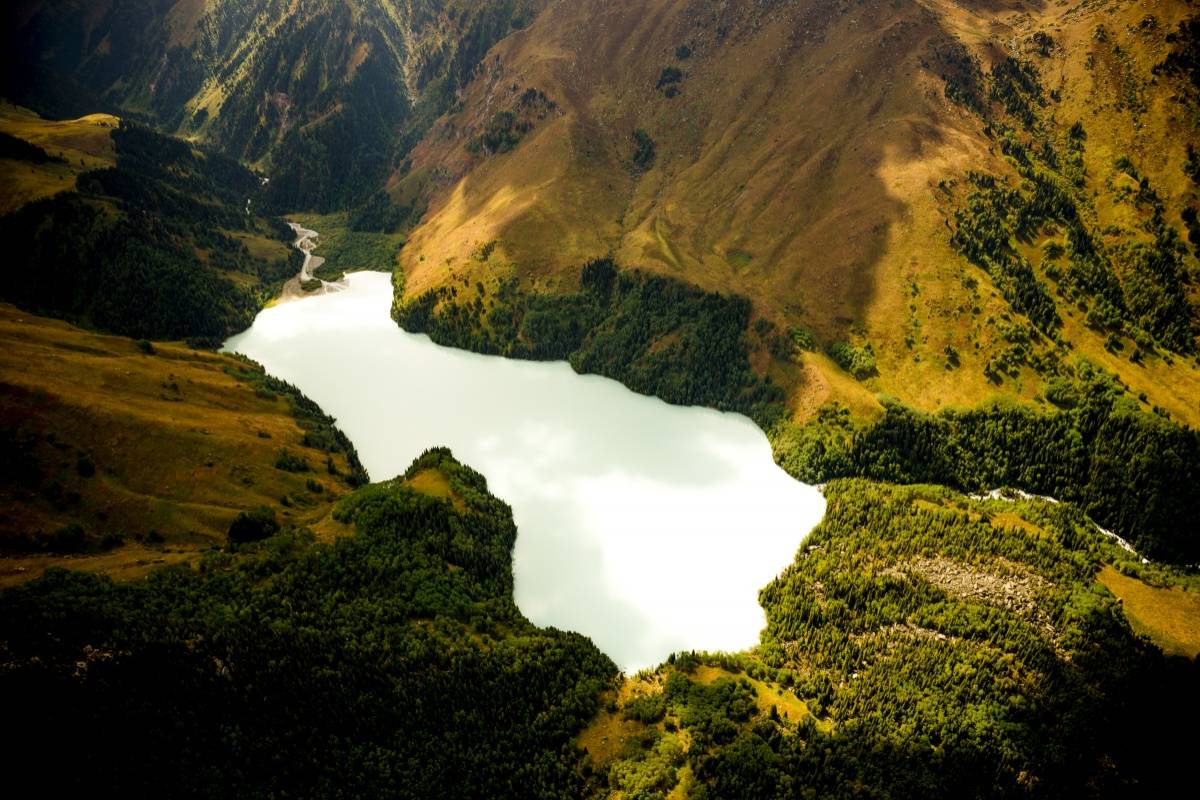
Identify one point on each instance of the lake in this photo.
(648, 527)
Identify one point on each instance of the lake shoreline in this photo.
(646, 526)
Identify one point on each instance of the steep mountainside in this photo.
(940, 201)
(328, 93)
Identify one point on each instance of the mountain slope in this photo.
(119, 455)
(43, 158)
(134, 232)
(328, 94)
(815, 158)
(811, 156)
(389, 663)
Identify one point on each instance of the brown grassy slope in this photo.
(749, 161)
(178, 445)
(1169, 616)
(83, 144)
(798, 166)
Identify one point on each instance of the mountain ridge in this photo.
(318, 90)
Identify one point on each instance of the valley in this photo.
(702, 373)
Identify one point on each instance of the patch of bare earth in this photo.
(1010, 587)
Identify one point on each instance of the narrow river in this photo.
(646, 526)
(306, 242)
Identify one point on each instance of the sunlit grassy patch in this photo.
(433, 482)
(155, 445)
(74, 145)
(1170, 617)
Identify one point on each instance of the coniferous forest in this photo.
(392, 662)
(153, 247)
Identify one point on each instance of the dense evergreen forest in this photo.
(1132, 471)
(655, 334)
(944, 648)
(389, 663)
(153, 247)
(922, 644)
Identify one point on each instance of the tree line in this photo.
(657, 335)
(1134, 472)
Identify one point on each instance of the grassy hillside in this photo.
(63, 150)
(120, 455)
(829, 162)
(1168, 616)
